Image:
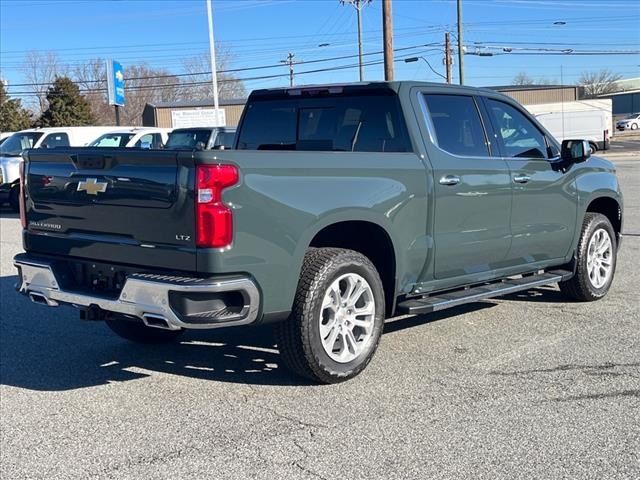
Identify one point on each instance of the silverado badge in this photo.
(92, 186)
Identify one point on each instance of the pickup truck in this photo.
(340, 206)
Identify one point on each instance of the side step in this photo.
(453, 298)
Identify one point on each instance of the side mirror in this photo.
(575, 151)
(218, 147)
(200, 146)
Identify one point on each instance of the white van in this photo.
(134, 137)
(12, 147)
(591, 125)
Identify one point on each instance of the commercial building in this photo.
(172, 114)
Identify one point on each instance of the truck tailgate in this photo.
(125, 206)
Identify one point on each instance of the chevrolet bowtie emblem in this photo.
(92, 186)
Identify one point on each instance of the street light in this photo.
(415, 59)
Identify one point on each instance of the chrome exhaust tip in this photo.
(157, 321)
(40, 299)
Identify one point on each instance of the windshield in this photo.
(17, 142)
(112, 140)
(187, 139)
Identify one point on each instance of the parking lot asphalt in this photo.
(525, 387)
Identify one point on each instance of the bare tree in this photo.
(41, 69)
(143, 85)
(91, 77)
(198, 87)
(599, 83)
(522, 78)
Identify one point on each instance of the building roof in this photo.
(512, 88)
(198, 103)
(614, 94)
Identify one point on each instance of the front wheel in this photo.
(138, 332)
(337, 317)
(595, 260)
(594, 148)
(634, 126)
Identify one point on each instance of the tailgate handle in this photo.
(89, 162)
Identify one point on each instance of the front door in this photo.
(472, 189)
(544, 207)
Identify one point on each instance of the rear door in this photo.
(472, 188)
(124, 206)
(544, 208)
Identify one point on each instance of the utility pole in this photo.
(387, 37)
(460, 47)
(447, 55)
(289, 61)
(358, 5)
(212, 53)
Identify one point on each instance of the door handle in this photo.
(449, 180)
(521, 178)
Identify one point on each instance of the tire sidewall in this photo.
(357, 364)
(599, 222)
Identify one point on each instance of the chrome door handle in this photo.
(449, 180)
(521, 178)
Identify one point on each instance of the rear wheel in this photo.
(337, 317)
(138, 332)
(14, 198)
(596, 260)
(594, 148)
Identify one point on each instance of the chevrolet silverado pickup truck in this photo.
(340, 206)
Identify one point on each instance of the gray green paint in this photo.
(483, 228)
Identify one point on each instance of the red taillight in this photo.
(214, 219)
(21, 197)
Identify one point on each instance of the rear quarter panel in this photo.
(285, 198)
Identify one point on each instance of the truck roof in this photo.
(365, 87)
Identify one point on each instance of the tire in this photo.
(320, 340)
(138, 332)
(634, 126)
(14, 198)
(589, 283)
(594, 148)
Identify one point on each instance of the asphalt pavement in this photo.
(525, 387)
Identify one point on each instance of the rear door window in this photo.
(54, 140)
(457, 125)
(518, 136)
(341, 123)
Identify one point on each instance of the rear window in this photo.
(188, 139)
(343, 124)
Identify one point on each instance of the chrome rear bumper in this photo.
(145, 296)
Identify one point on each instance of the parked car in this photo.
(592, 125)
(341, 206)
(12, 147)
(133, 137)
(201, 138)
(632, 122)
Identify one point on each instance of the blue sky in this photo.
(261, 32)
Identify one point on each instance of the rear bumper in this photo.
(160, 301)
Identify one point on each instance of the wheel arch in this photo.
(370, 239)
(610, 208)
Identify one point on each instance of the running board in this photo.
(453, 298)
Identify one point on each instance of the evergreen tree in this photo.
(67, 106)
(12, 116)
